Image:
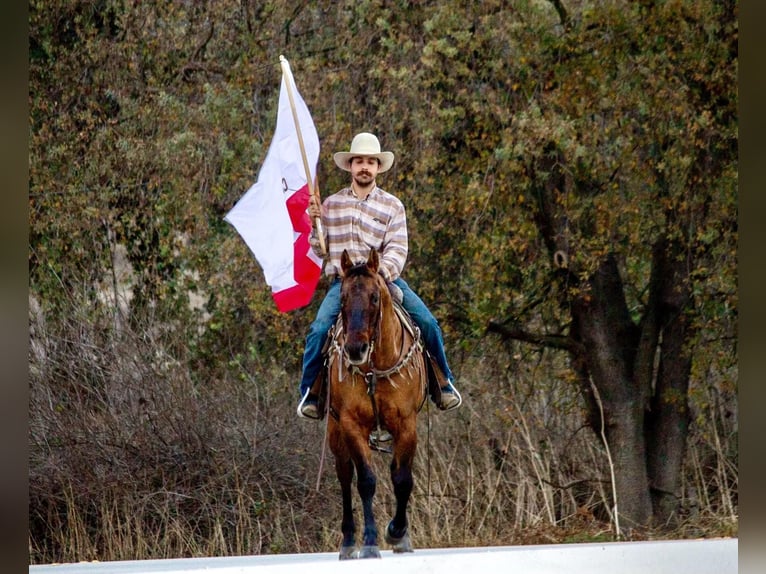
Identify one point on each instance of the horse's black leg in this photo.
(345, 472)
(366, 486)
(396, 533)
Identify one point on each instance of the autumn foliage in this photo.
(569, 170)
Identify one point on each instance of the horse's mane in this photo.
(358, 270)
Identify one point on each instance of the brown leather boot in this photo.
(442, 392)
(312, 405)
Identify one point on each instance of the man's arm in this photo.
(393, 254)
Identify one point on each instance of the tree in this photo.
(633, 187)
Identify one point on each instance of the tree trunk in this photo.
(667, 420)
(603, 326)
(668, 423)
(626, 445)
(642, 406)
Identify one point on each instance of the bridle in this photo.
(405, 356)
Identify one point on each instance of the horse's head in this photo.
(362, 293)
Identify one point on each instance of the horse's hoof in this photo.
(399, 543)
(402, 545)
(348, 553)
(369, 552)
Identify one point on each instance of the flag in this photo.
(271, 216)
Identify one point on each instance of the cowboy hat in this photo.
(364, 144)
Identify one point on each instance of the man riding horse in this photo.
(357, 219)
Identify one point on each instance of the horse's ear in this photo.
(345, 262)
(373, 261)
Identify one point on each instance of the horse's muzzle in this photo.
(357, 353)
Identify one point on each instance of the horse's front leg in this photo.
(401, 477)
(345, 471)
(366, 482)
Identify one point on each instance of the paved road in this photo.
(717, 556)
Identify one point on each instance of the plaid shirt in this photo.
(357, 225)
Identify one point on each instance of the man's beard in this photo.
(363, 178)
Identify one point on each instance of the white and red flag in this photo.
(271, 217)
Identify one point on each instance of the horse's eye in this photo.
(375, 297)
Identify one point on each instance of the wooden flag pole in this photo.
(312, 189)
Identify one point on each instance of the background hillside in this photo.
(569, 170)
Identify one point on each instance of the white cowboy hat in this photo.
(364, 144)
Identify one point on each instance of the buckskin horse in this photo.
(377, 386)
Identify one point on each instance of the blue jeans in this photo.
(329, 311)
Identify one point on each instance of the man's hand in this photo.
(315, 210)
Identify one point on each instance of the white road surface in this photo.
(718, 556)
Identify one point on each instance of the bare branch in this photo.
(562, 11)
(507, 331)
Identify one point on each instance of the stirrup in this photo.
(451, 398)
(380, 440)
(310, 409)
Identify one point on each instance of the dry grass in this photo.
(132, 458)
